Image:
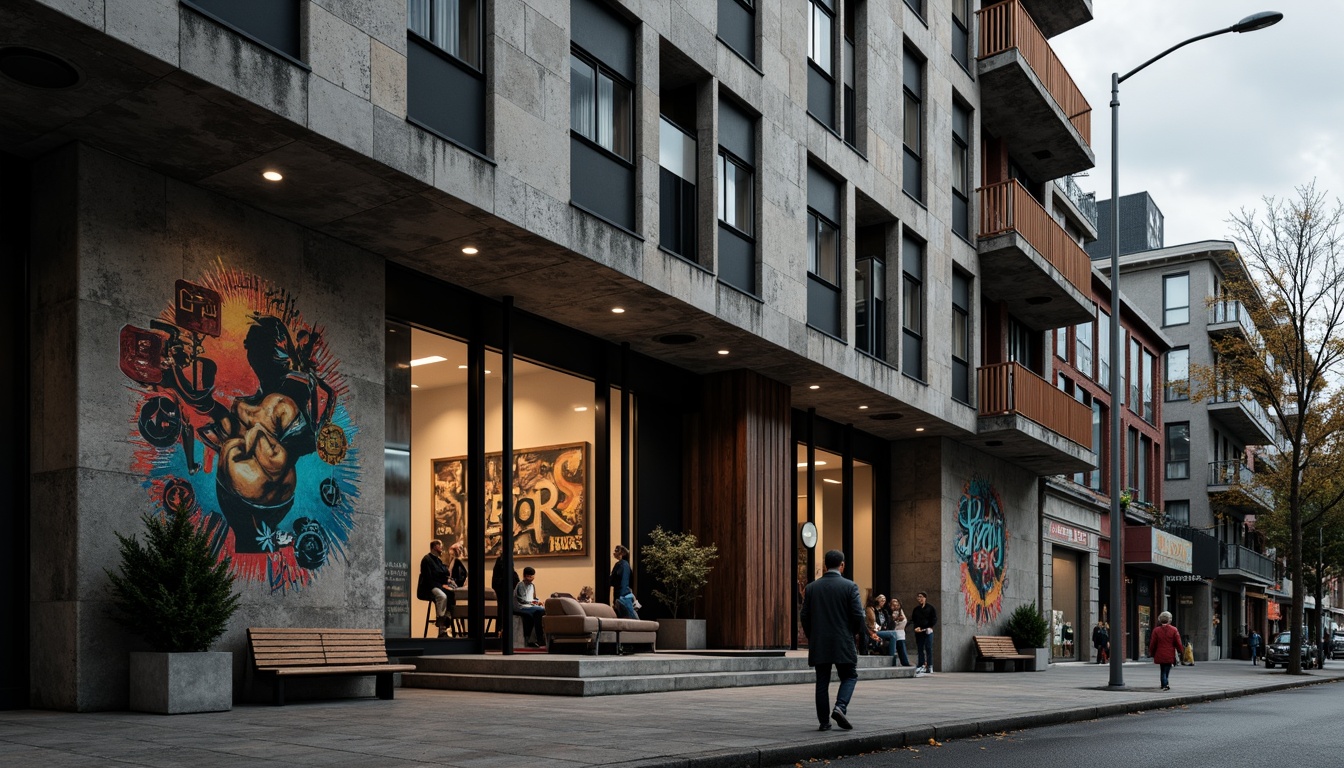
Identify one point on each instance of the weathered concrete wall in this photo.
(111, 239)
(930, 480)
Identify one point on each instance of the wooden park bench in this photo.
(283, 653)
(1000, 651)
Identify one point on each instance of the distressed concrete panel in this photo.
(335, 277)
(53, 659)
(384, 20)
(406, 225)
(122, 233)
(510, 25)
(55, 240)
(211, 231)
(522, 88)
(90, 12)
(109, 502)
(150, 25)
(388, 73)
(219, 56)
(392, 146)
(338, 52)
(53, 510)
(340, 115)
(108, 402)
(53, 361)
(464, 176)
(546, 42)
(529, 150)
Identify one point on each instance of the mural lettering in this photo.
(981, 548)
(242, 417)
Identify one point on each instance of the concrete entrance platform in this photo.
(662, 671)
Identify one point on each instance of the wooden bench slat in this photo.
(295, 652)
(369, 669)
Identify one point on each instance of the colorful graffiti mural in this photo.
(242, 417)
(981, 548)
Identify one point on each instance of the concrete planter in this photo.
(1042, 662)
(681, 634)
(179, 683)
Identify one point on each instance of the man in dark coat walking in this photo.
(832, 616)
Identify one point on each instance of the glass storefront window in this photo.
(829, 515)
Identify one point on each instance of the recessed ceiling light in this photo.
(415, 386)
(802, 464)
(723, 351)
(427, 360)
(461, 367)
(829, 480)
(863, 407)
(618, 310)
(919, 429)
(815, 386)
(272, 175)
(487, 373)
(470, 250)
(580, 408)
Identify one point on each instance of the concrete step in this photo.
(588, 676)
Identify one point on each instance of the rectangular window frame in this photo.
(743, 221)
(912, 124)
(604, 74)
(961, 336)
(1175, 314)
(961, 170)
(1082, 336)
(1178, 450)
(1176, 389)
(912, 307)
(462, 13)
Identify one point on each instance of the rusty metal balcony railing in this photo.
(1009, 207)
(1011, 388)
(1006, 26)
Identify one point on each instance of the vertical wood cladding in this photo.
(738, 497)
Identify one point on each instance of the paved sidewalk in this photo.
(766, 726)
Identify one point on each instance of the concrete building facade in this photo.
(314, 268)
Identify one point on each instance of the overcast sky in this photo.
(1215, 126)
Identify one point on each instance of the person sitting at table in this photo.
(436, 583)
(529, 608)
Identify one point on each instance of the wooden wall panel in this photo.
(739, 460)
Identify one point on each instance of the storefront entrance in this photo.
(1066, 627)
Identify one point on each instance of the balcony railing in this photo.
(1230, 472)
(1009, 207)
(1232, 311)
(1239, 558)
(1008, 388)
(1230, 393)
(1085, 202)
(1006, 26)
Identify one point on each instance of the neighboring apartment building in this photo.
(314, 267)
(1212, 446)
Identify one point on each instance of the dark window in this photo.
(1178, 512)
(1103, 349)
(1135, 378)
(1062, 343)
(851, 116)
(600, 105)
(1082, 336)
(445, 77)
(912, 75)
(736, 197)
(870, 305)
(452, 25)
(737, 27)
(912, 307)
(1178, 451)
(676, 183)
(1023, 344)
(273, 23)
(1148, 371)
(961, 170)
(1177, 386)
(961, 32)
(601, 112)
(917, 6)
(1176, 299)
(823, 252)
(821, 61)
(961, 336)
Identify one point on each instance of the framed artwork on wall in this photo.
(550, 501)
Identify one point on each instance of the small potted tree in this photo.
(1029, 630)
(176, 594)
(681, 567)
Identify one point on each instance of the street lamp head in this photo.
(1258, 21)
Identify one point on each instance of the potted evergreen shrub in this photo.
(176, 594)
(681, 567)
(1029, 630)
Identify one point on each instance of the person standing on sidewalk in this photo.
(1254, 642)
(1101, 640)
(832, 616)
(1165, 645)
(923, 617)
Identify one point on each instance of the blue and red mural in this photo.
(242, 417)
(981, 548)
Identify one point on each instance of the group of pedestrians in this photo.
(832, 617)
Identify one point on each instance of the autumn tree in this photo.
(1295, 294)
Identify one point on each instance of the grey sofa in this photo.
(569, 623)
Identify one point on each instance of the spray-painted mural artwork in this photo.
(981, 548)
(242, 417)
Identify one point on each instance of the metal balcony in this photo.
(1029, 262)
(1030, 423)
(1056, 16)
(1226, 477)
(1230, 317)
(1028, 98)
(1244, 417)
(1241, 564)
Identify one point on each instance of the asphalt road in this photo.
(1302, 727)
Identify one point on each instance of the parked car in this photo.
(1337, 645)
(1280, 650)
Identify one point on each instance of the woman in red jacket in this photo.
(1165, 645)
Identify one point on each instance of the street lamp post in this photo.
(1249, 24)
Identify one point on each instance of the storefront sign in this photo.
(1272, 613)
(1153, 546)
(1068, 534)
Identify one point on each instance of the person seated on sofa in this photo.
(529, 608)
(587, 594)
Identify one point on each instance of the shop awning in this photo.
(1154, 549)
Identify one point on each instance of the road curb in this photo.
(850, 745)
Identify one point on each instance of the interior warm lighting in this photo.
(580, 408)
(272, 176)
(415, 386)
(723, 351)
(919, 429)
(829, 480)
(618, 310)
(487, 373)
(470, 250)
(815, 386)
(428, 360)
(461, 367)
(863, 407)
(802, 464)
